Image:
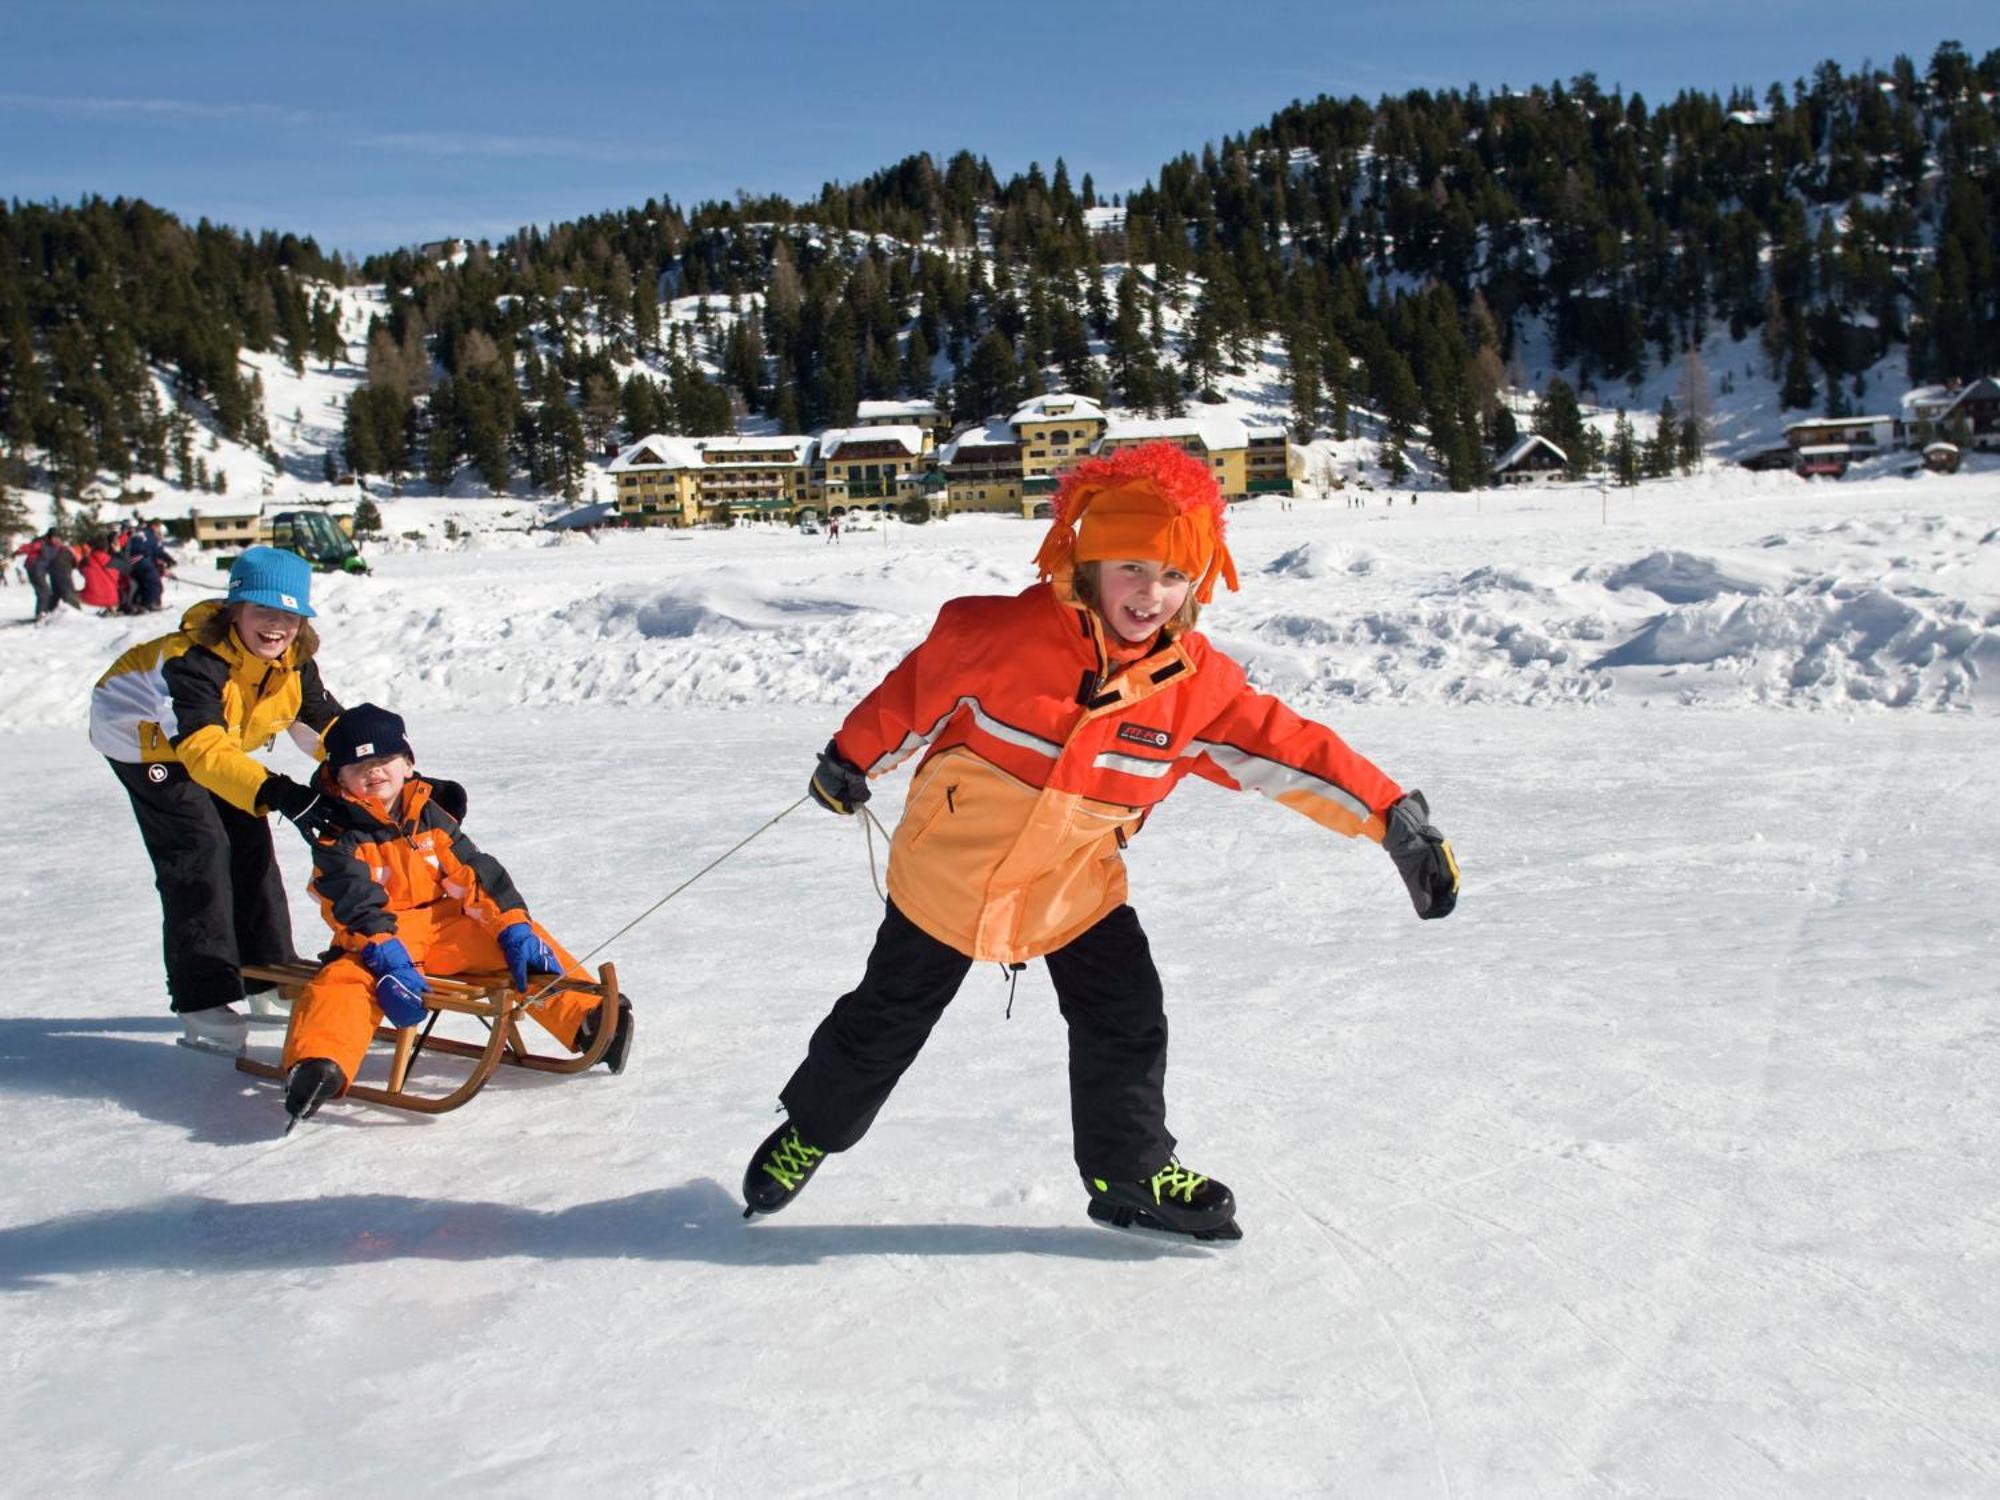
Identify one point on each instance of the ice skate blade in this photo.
(214, 1049)
(1138, 1221)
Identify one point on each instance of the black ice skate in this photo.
(312, 1081)
(621, 1039)
(1172, 1201)
(783, 1165)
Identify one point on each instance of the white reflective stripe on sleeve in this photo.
(1256, 774)
(1132, 765)
(118, 707)
(914, 741)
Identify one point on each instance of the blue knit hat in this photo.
(273, 578)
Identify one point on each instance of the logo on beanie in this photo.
(290, 601)
(1139, 734)
(362, 752)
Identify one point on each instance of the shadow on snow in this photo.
(697, 1221)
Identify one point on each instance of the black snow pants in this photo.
(222, 899)
(1108, 992)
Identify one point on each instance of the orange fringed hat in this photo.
(1154, 501)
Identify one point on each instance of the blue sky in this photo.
(370, 125)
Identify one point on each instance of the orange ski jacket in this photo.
(378, 866)
(1044, 756)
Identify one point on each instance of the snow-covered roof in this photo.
(1215, 433)
(876, 411)
(910, 439)
(657, 451)
(756, 449)
(1262, 433)
(595, 514)
(1985, 388)
(995, 433)
(1524, 447)
(1928, 399)
(1057, 407)
(1940, 446)
(1810, 423)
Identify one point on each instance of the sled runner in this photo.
(491, 998)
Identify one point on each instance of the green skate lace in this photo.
(1175, 1180)
(791, 1160)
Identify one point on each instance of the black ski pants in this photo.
(1108, 992)
(222, 899)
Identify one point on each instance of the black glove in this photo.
(1423, 857)
(448, 796)
(836, 784)
(307, 808)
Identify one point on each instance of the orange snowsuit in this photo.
(416, 877)
(1046, 754)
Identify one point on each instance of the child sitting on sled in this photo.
(1056, 720)
(407, 893)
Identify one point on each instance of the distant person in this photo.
(151, 562)
(1056, 720)
(832, 531)
(102, 582)
(52, 570)
(177, 718)
(408, 895)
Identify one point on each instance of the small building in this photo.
(657, 479)
(1862, 435)
(1941, 457)
(1268, 464)
(1055, 432)
(1223, 443)
(1924, 407)
(1973, 418)
(770, 476)
(870, 465)
(982, 470)
(235, 528)
(924, 414)
(1824, 460)
(1533, 460)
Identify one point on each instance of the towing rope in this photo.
(542, 993)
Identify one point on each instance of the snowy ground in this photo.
(1664, 1168)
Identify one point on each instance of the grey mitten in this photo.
(1423, 856)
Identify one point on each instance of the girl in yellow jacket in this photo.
(1052, 722)
(177, 718)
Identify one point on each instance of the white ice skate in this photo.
(269, 1006)
(221, 1030)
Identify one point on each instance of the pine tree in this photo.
(1559, 419)
(1624, 453)
(1663, 448)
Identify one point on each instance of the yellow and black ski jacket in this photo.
(173, 700)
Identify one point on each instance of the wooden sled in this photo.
(490, 997)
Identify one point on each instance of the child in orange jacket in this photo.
(407, 893)
(1053, 722)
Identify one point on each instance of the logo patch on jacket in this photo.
(1139, 734)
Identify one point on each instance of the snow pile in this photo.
(1690, 595)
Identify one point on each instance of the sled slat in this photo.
(490, 997)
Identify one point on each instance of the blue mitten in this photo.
(400, 985)
(526, 953)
